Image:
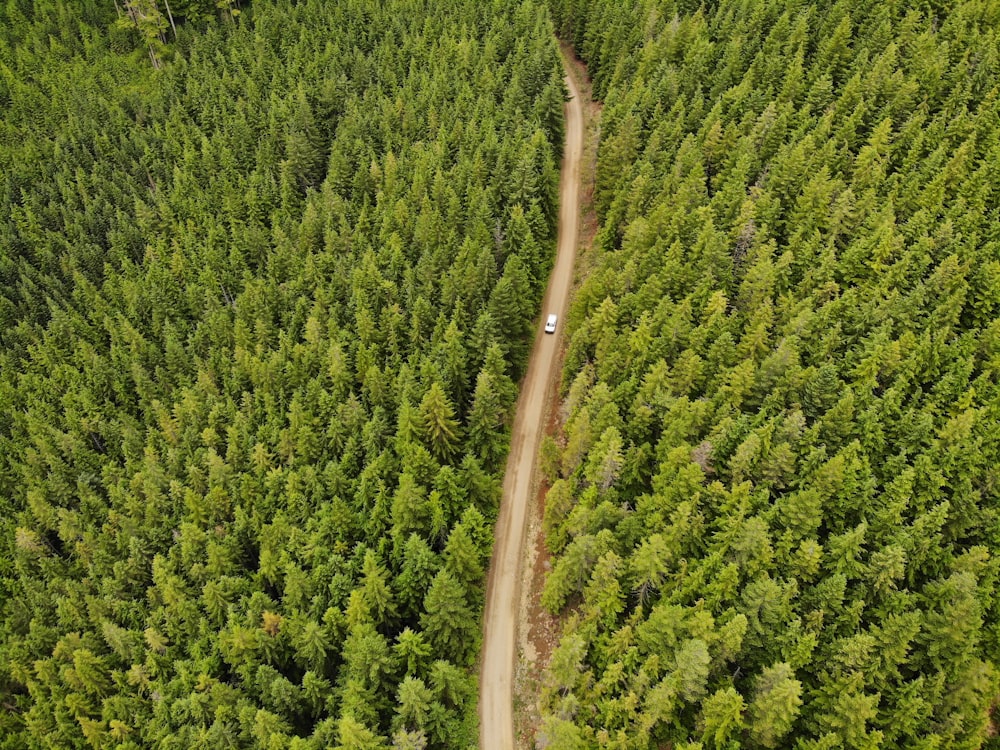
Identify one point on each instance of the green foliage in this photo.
(262, 308)
(776, 510)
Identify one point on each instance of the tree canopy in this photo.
(266, 281)
(776, 520)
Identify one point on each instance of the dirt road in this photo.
(496, 677)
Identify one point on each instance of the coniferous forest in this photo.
(775, 513)
(267, 281)
(268, 277)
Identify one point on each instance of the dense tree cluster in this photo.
(775, 519)
(262, 309)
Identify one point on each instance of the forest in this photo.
(268, 274)
(773, 509)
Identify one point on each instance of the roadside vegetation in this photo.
(775, 522)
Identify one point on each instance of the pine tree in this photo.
(722, 717)
(414, 700)
(440, 429)
(775, 705)
(410, 511)
(461, 558)
(311, 646)
(412, 650)
(447, 619)
(487, 421)
(356, 736)
(418, 569)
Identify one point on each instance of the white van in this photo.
(550, 324)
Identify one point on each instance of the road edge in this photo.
(538, 631)
(504, 592)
